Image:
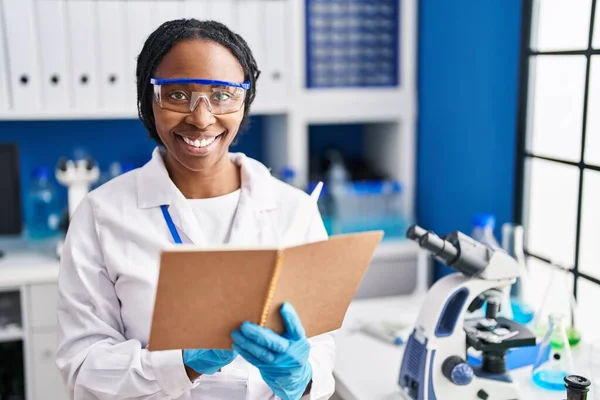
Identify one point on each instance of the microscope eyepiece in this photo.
(455, 249)
(441, 248)
(415, 232)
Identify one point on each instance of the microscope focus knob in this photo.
(457, 371)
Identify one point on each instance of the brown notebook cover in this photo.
(203, 295)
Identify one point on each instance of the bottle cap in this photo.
(41, 172)
(484, 220)
(288, 173)
(577, 383)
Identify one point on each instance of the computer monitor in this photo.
(11, 220)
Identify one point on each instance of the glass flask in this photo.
(512, 243)
(554, 361)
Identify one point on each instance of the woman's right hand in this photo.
(207, 361)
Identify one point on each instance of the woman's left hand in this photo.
(281, 360)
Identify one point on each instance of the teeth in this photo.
(199, 143)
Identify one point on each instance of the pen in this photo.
(378, 332)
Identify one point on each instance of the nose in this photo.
(201, 117)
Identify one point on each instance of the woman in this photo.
(196, 82)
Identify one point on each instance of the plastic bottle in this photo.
(43, 209)
(337, 179)
(337, 175)
(483, 232)
(555, 360)
(512, 243)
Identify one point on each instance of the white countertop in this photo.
(26, 262)
(368, 369)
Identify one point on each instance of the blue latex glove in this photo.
(281, 360)
(207, 361)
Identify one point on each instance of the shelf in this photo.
(12, 334)
(61, 115)
(357, 105)
(57, 115)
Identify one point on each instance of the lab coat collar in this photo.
(155, 188)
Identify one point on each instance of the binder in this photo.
(198, 9)
(250, 27)
(52, 36)
(275, 39)
(249, 24)
(139, 25)
(24, 78)
(225, 12)
(4, 83)
(111, 32)
(223, 287)
(167, 10)
(82, 31)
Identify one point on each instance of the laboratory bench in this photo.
(28, 301)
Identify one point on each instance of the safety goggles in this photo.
(184, 94)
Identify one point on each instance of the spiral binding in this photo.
(272, 286)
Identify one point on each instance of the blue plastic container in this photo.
(365, 206)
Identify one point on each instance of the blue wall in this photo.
(468, 80)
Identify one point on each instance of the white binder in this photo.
(274, 70)
(250, 27)
(167, 10)
(24, 80)
(4, 83)
(81, 17)
(139, 25)
(52, 36)
(224, 11)
(111, 34)
(198, 9)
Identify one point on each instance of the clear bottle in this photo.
(512, 243)
(337, 180)
(554, 361)
(483, 232)
(43, 208)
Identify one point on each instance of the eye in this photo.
(178, 96)
(222, 96)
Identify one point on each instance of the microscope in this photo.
(434, 365)
(77, 176)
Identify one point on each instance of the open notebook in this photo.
(205, 294)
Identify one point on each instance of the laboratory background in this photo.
(480, 117)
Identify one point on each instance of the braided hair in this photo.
(170, 33)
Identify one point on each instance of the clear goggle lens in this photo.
(182, 97)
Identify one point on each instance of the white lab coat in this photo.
(108, 276)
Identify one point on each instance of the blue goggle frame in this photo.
(164, 81)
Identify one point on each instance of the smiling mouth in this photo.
(200, 142)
